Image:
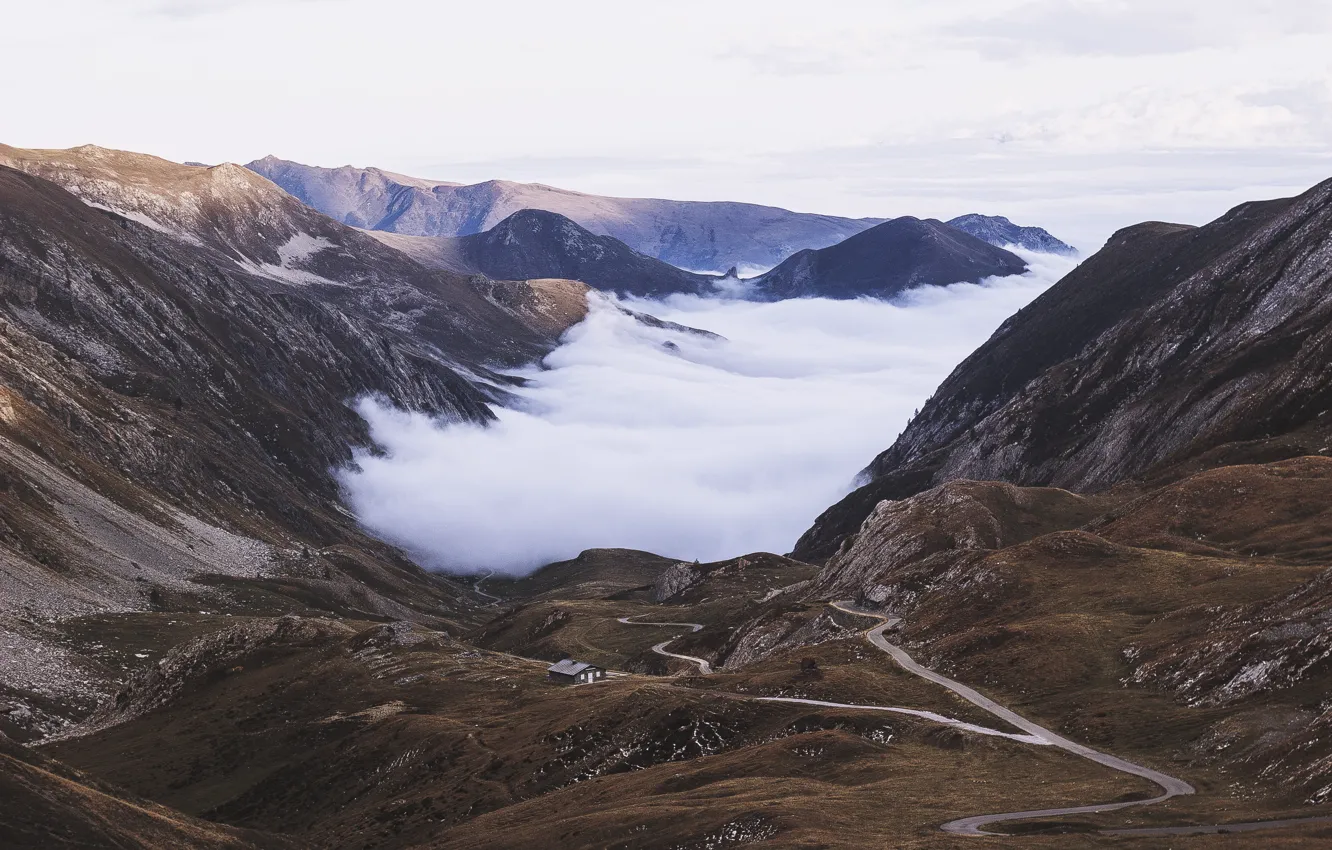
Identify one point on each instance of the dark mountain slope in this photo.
(49, 805)
(540, 244)
(1169, 343)
(998, 230)
(886, 260)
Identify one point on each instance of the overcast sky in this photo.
(1079, 116)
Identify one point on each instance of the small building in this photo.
(570, 672)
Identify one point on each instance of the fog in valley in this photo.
(673, 442)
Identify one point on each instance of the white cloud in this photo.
(189, 9)
(744, 100)
(1136, 27)
(710, 450)
(1148, 119)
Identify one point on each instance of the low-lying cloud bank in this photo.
(672, 442)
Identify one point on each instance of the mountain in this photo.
(1172, 345)
(248, 224)
(880, 262)
(211, 653)
(178, 350)
(886, 260)
(704, 235)
(1115, 511)
(533, 244)
(998, 230)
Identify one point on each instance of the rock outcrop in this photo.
(674, 580)
(900, 539)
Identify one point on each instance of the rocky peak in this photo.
(998, 230)
(534, 243)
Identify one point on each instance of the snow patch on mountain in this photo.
(297, 249)
(302, 246)
(146, 221)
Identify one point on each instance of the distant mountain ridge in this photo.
(534, 244)
(886, 260)
(881, 262)
(702, 235)
(998, 230)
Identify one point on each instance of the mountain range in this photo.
(880, 262)
(1099, 554)
(706, 235)
(180, 346)
(696, 235)
(534, 243)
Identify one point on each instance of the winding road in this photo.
(1031, 733)
(476, 588)
(1170, 785)
(706, 668)
(703, 666)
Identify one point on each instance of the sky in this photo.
(1078, 115)
(709, 449)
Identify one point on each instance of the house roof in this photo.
(569, 667)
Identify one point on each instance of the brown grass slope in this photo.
(396, 737)
(594, 574)
(1189, 623)
(50, 806)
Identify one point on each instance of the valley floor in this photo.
(351, 734)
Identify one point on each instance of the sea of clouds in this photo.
(676, 443)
